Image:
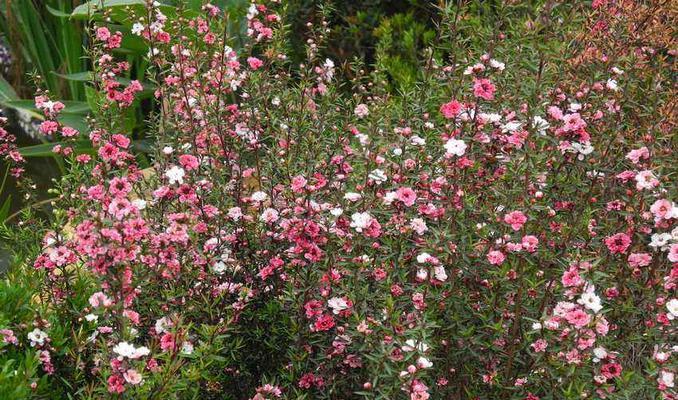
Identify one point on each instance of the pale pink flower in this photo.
(495, 257)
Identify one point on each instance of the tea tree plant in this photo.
(495, 230)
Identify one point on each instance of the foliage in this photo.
(486, 214)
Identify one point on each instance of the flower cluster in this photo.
(288, 240)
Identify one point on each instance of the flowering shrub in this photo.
(499, 232)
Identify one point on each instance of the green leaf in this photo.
(75, 121)
(6, 90)
(89, 8)
(84, 76)
(23, 105)
(4, 210)
(45, 149)
(117, 8)
(72, 107)
(58, 13)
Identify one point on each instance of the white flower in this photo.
(389, 197)
(417, 141)
(574, 107)
(328, 66)
(497, 64)
(666, 378)
(259, 196)
(511, 126)
(398, 152)
(378, 176)
(352, 196)
(124, 349)
(423, 362)
(37, 337)
(252, 11)
(660, 240)
(423, 257)
(139, 204)
(590, 300)
(187, 347)
(138, 29)
(175, 175)
(219, 267)
(599, 353)
(275, 101)
(455, 147)
(583, 149)
(491, 118)
(363, 139)
(612, 85)
(162, 325)
(422, 274)
(91, 317)
(411, 345)
(617, 71)
(418, 225)
(536, 326)
(336, 211)
(672, 307)
(167, 150)
(540, 124)
(439, 273)
(360, 221)
(337, 304)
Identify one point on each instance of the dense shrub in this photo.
(499, 229)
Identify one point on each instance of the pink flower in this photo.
(254, 63)
(120, 208)
(361, 111)
(99, 299)
(539, 346)
(639, 259)
(578, 318)
(516, 219)
(324, 323)
(103, 34)
(167, 342)
(646, 180)
(451, 109)
(673, 253)
(638, 154)
(8, 336)
(188, 161)
(67, 131)
(49, 127)
(484, 89)
(495, 257)
(529, 243)
(298, 184)
(133, 377)
(571, 278)
(269, 216)
(119, 187)
(611, 370)
(662, 209)
(116, 384)
(406, 195)
(618, 243)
